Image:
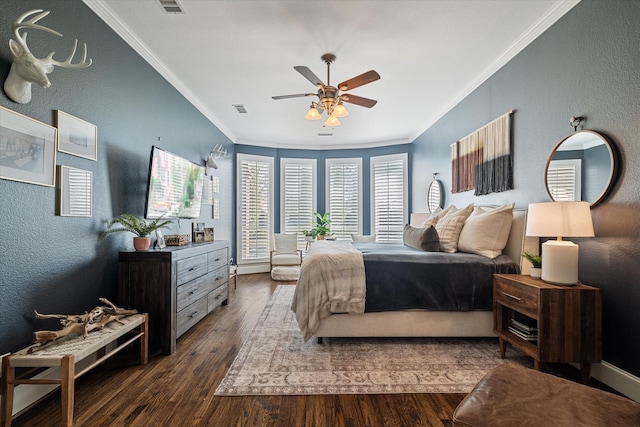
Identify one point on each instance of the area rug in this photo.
(276, 361)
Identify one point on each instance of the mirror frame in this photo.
(435, 185)
(613, 154)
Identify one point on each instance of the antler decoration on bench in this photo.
(26, 68)
(82, 324)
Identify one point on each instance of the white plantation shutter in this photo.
(255, 200)
(344, 196)
(297, 196)
(388, 196)
(563, 180)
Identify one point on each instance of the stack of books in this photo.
(524, 327)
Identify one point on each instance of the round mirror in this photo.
(434, 196)
(581, 167)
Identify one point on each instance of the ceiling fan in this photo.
(331, 97)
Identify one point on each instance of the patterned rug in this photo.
(275, 361)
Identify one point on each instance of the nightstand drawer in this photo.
(516, 296)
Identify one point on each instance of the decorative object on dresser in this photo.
(555, 324)
(197, 232)
(26, 69)
(138, 226)
(562, 219)
(177, 286)
(28, 149)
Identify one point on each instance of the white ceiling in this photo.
(430, 54)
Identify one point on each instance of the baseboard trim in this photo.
(617, 379)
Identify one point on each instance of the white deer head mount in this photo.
(26, 68)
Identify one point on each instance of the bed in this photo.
(451, 318)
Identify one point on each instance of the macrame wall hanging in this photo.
(482, 160)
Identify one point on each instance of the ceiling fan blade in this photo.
(297, 95)
(308, 74)
(362, 79)
(358, 100)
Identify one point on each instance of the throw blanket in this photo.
(331, 280)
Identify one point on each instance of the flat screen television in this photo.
(174, 187)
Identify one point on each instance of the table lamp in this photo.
(560, 219)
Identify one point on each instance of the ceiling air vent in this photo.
(240, 108)
(325, 134)
(171, 6)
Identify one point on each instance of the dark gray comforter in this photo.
(399, 277)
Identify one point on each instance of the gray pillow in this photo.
(424, 239)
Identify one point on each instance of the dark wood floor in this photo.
(177, 390)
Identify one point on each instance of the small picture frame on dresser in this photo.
(197, 232)
(160, 240)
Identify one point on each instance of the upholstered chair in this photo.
(284, 251)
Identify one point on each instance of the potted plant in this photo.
(138, 226)
(536, 264)
(310, 235)
(322, 225)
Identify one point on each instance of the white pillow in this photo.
(486, 231)
(449, 227)
(436, 215)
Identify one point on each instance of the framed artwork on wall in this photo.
(27, 149)
(75, 192)
(76, 136)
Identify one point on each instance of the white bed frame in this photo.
(426, 323)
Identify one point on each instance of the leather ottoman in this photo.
(512, 395)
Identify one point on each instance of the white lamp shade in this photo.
(559, 219)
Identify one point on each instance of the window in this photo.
(297, 196)
(344, 196)
(255, 201)
(563, 180)
(388, 196)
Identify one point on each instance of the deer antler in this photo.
(31, 23)
(68, 63)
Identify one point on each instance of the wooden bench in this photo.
(67, 355)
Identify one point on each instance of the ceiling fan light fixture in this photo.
(332, 121)
(340, 111)
(313, 113)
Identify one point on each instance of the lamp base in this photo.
(560, 262)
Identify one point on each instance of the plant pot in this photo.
(320, 237)
(535, 272)
(142, 243)
(309, 238)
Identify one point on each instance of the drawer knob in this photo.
(511, 296)
(192, 315)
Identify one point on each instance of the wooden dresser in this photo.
(177, 286)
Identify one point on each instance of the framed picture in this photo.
(75, 192)
(27, 149)
(215, 184)
(76, 137)
(208, 234)
(160, 239)
(197, 232)
(215, 211)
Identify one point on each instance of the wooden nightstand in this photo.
(566, 319)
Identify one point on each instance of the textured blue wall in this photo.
(56, 264)
(587, 64)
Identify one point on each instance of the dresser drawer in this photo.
(217, 259)
(190, 268)
(191, 315)
(219, 277)
(217, 297)
(195, 289)
(519, 297)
